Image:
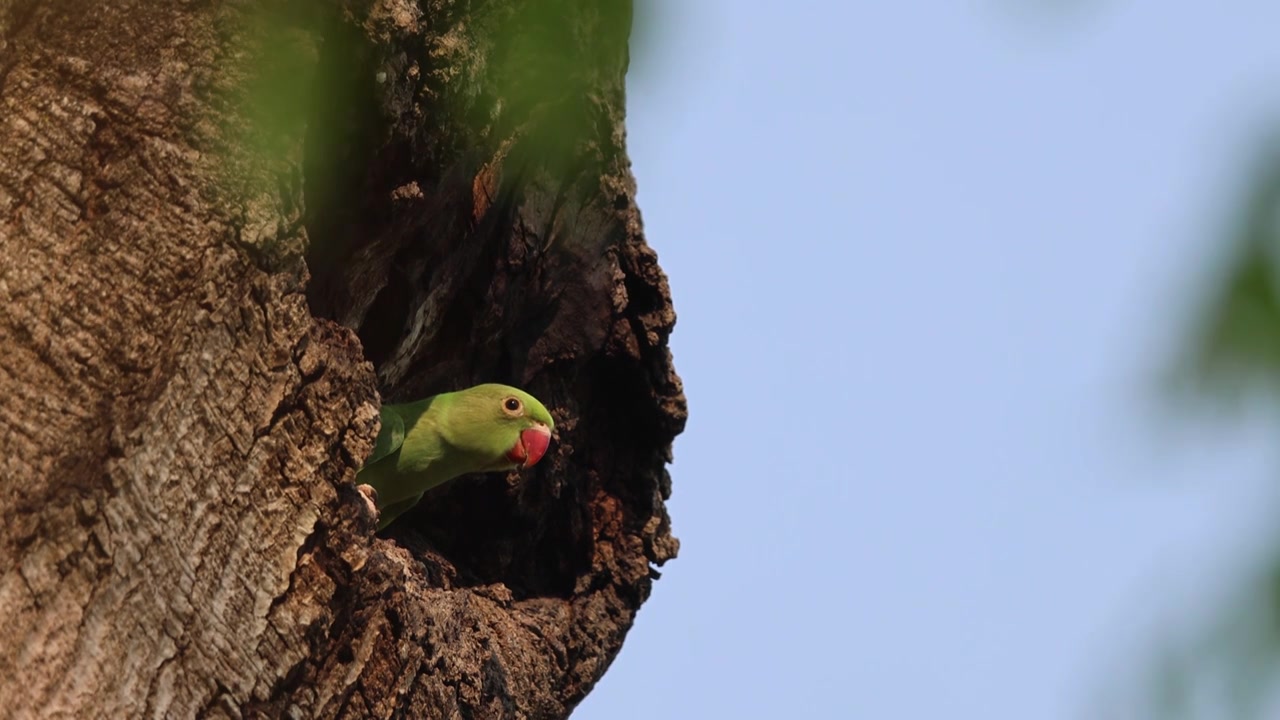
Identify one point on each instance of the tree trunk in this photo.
(216, 220)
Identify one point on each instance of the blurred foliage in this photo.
(1237, 343)
(1231, 667)
(263, 88)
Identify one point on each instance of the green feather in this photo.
(390, 435)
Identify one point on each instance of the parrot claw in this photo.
(370, 496)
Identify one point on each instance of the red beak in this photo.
(530, 446)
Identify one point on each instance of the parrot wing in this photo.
(390, 435)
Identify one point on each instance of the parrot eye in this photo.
(512, 405)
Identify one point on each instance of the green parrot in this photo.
(426, 443)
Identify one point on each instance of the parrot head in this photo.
(506, 426)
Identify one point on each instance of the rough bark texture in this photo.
(224, 229)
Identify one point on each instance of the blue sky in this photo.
(929, 261)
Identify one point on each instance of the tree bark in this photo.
(225, 228)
